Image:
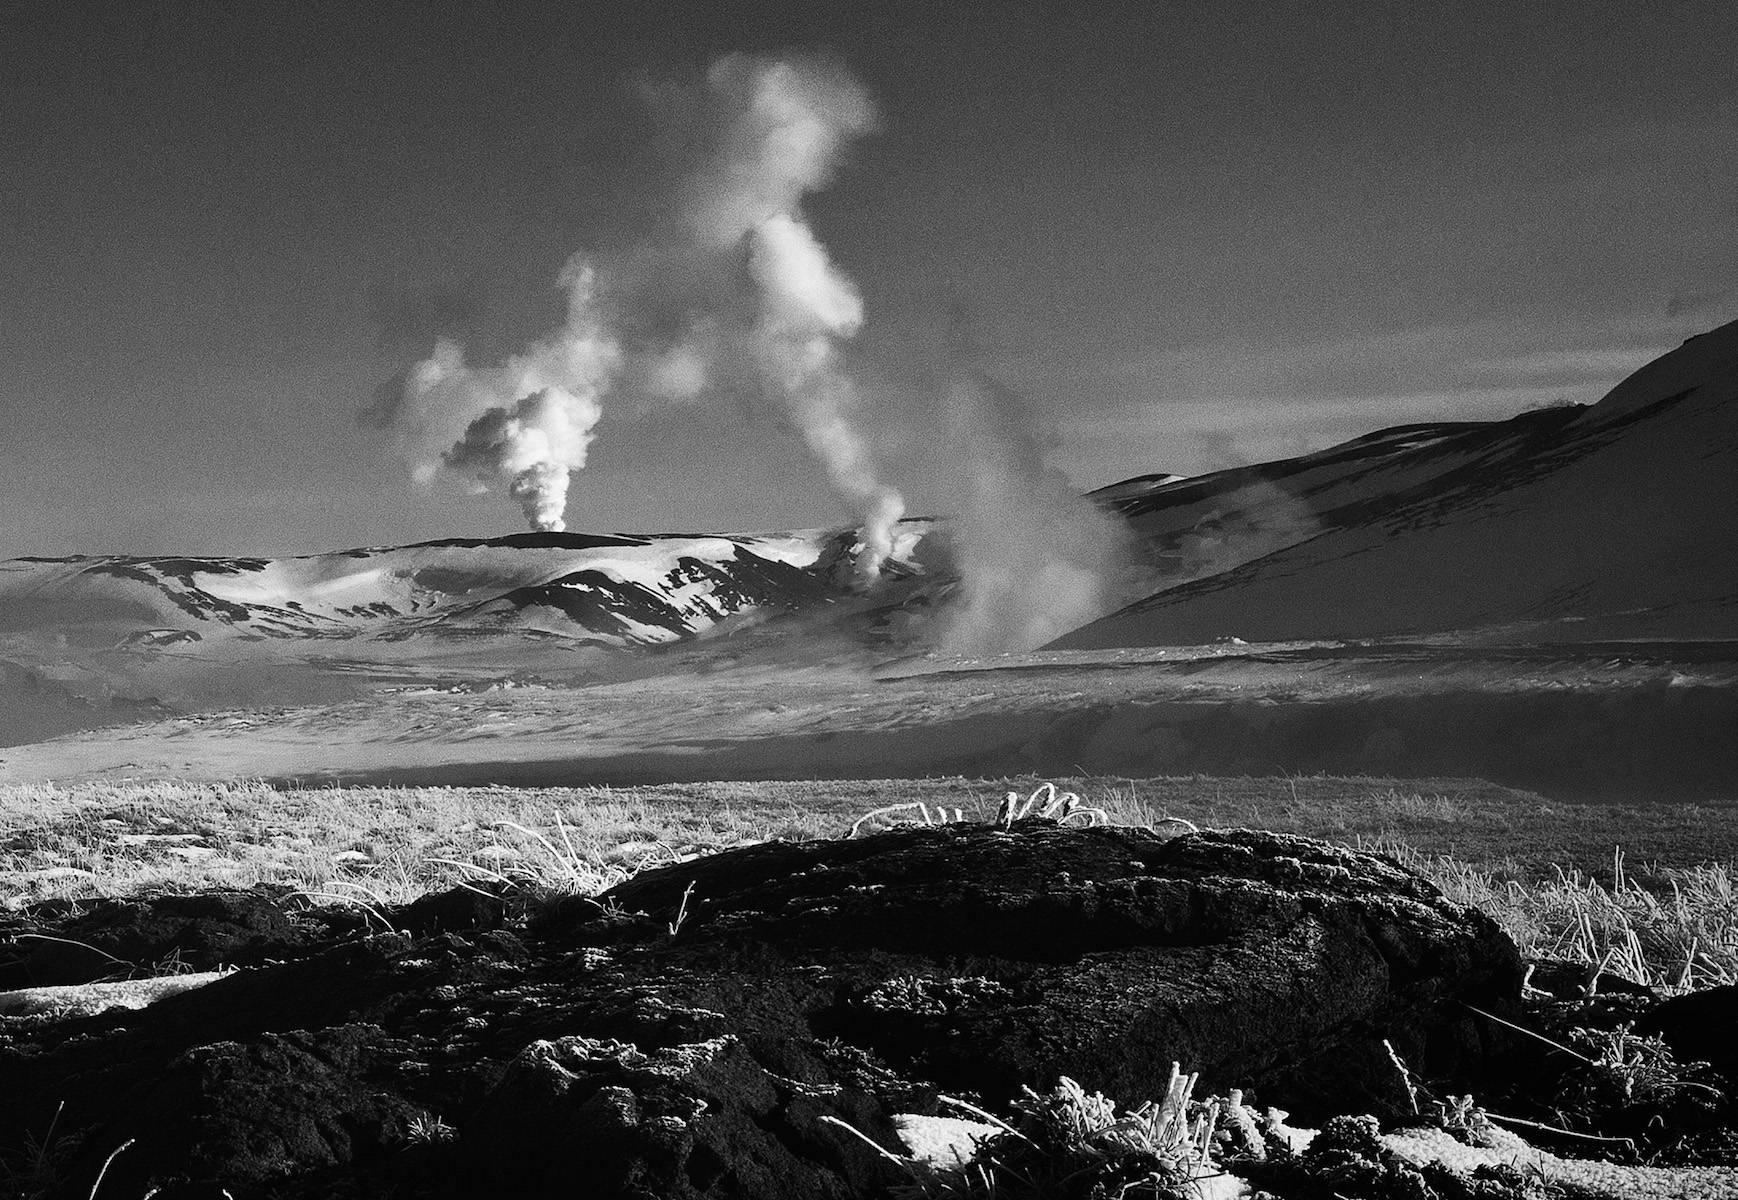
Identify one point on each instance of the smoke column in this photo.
(737, 293)
(1035, 558)
(806, 304)
(533, 446)
(525, 424)
(772, 133)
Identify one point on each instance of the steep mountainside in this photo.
(1616, 520)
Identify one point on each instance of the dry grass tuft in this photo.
(1530, 863)
(1679, 932)
(385, 845)
(1069, 1141)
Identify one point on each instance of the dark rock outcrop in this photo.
(687, 1033)
(1699, 1027)
(70, 942)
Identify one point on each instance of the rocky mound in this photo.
(686, 1034)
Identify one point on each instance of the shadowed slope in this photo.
(1617, 520)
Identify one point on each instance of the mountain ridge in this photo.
(1617, 518)
(678, 584)
(1580, 524)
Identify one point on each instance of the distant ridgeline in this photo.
(1615, 520)
(610, 589)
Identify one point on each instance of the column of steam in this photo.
(764, 134)
(783, 126)
(806, 304)
(527, 423)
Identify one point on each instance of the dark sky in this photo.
(1191, 235)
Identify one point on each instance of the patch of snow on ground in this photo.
(87, 999)
(801, 548)
(1420, 1146)
(942, 1141)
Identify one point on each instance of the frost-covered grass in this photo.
(1649, 892)
(1679, 931)
(397, 842)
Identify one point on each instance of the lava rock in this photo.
(1004, 959)
(1699, 1027)
(696, 1119)
(702, 1029)
(104, 939)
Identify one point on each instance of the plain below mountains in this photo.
(1577, 526)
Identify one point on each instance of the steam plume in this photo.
(1035, 558)
(805, 305)
(737, 294)
(533, 446)
(526, 423)
(776, 130)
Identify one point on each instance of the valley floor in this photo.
(1626, 722)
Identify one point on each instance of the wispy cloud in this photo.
(1203, 406)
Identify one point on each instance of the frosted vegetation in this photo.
(1648, 893)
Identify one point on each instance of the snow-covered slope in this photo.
(1618, 519)
(90, 640)
(612, 590)
(1197, 527)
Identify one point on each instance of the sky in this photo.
(1185, 236)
